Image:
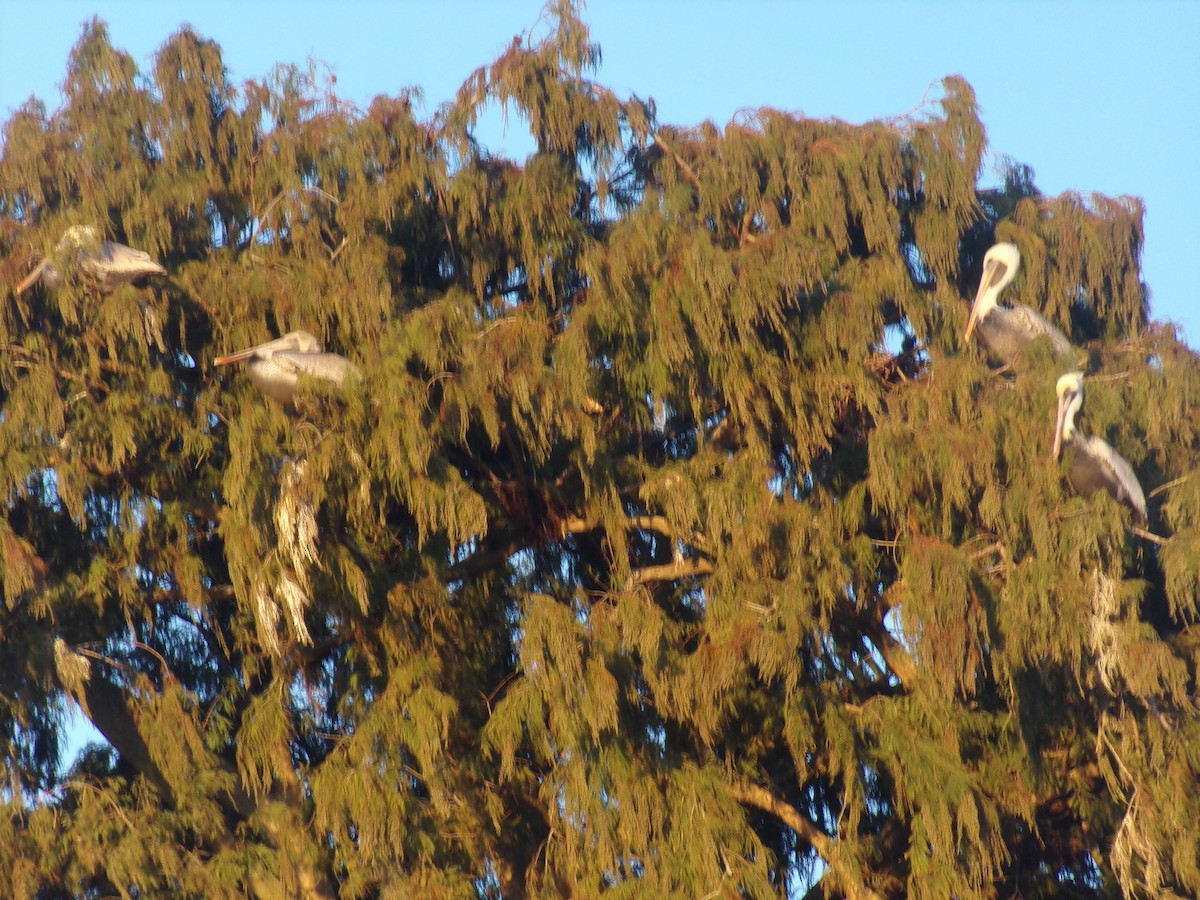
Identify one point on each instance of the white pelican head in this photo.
(79, 237)
(1000, 266)
(1070, 399)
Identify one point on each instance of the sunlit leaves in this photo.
(671, 540)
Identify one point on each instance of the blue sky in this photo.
(1096, 96)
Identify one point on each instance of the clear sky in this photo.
(1096, 96)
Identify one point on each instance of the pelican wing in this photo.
(115, 263)
(1108, 470)
(1009, 332)
(327, 366)
(1035, 325)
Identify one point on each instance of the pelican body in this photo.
(1008, 332)
(1096, 465)
(276, 366)
(105, 263)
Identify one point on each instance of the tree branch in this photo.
(104, 704)
(1166, 487)
(659, 524)
(486, 558)
(759, 797)
(684, 168)
(681, 568)
(1150, 536)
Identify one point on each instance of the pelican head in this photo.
(1000, 266)
(79, 237)
(77, 244)
(1070, 399)
(295, 341)
(75, 241)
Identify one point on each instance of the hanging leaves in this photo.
(672, 541)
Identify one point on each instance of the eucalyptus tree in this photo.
(672, 540)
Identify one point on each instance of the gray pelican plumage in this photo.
(276, 366)
(1008, 331)
(1096, 465)
(105, 263)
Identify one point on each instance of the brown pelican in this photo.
(106, 263)
(1008, 332)
(1096, 464)
(277, 365)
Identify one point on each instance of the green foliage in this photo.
(671, 543)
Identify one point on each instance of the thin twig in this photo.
(688, 174)
(745, 235)
(79, 782)
(896, 120)
(997, 547)
(162, 662)
(1103, 736)
(1162, 488)
(444, 212)
(258, 220)
(324, 193)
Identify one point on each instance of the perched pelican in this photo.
(277, 365)
(1096, 464)
(106, 263)
(1007, 332)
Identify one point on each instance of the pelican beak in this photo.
(234, 357)
(32, 277)
(985, 283)
(1059, 420)
(258, 350)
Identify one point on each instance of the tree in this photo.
(671, 542)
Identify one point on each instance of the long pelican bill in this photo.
(296, 341)
(235, 357)
(991, 273)
(1060, 423)
(287, 342)
(32, 277)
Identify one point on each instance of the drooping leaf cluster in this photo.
(672, 541)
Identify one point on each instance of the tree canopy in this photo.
(671, 542)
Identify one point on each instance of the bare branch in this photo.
(921, 104)
(1150, 536)
(576, 525)
(660, 524)
(745, 235)
(105, 705)
(652, 523)
(1113, 376)
(670, 571)
(759, 797)
(592, 407)
(684, 168)
(1163, 488)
